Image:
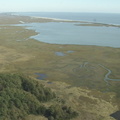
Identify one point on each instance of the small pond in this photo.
(41, 76)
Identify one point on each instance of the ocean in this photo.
(68, 33)
(109, 18)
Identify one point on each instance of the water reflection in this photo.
(41, 76)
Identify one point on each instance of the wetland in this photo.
(78, 73)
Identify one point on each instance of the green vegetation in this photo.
(58, 112)
(76, 77)
(21, 96)
(116, 89)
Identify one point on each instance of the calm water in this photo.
(68, 33)
(41, 76)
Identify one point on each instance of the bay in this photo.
(68, 33)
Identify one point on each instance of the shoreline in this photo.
(84, 23)
(98, 25)
(57, 19)
(14, 19)
(20, 54)
(27, 20)
(33, 19)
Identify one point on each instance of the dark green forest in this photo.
(21, 96)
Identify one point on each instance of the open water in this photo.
(68, 33)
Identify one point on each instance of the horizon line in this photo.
(56, 12)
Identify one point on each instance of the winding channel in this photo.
(106, 78)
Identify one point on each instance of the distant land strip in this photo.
(98, 25)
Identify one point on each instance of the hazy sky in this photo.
(107, 6)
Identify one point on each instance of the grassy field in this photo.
(76, 76)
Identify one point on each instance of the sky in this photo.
(101, 6)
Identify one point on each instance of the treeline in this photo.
(21, 96)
